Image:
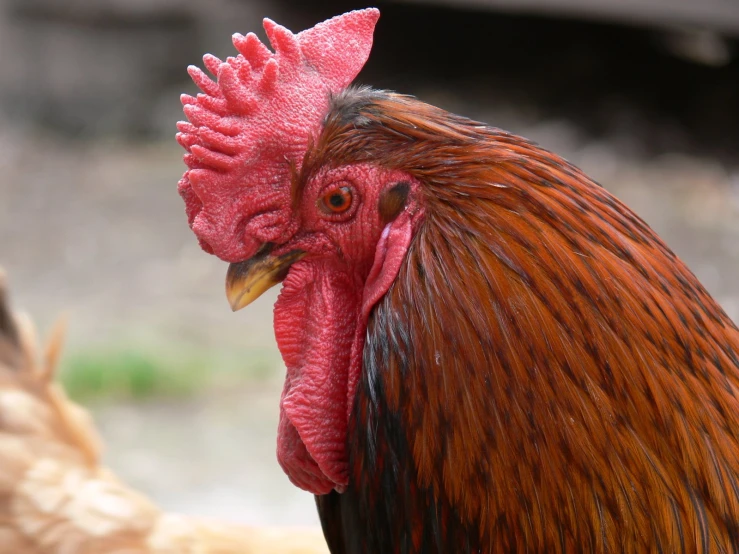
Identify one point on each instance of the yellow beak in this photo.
(248, 280)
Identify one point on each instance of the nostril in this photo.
(265, 249)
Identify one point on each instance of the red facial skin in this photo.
(321, 315)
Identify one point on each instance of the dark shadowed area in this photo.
(186, 393)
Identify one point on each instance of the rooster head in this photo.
(264, 192)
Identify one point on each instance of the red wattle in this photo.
(320, 322)
(315, 319)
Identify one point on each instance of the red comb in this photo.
(249, 126)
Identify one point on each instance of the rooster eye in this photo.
(336, 200)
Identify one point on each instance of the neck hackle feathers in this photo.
(249, 130)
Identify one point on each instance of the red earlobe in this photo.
(389, 255)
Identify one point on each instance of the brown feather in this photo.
(561, 380)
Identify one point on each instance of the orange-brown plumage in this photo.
(544, 375)
(485, 351)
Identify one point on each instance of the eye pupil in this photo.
(337, 200)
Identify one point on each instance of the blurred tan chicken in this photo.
(56, 498)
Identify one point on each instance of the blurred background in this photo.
(642, 94)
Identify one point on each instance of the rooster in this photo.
(57, 498)
(486, 351)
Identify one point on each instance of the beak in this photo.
(248, 280)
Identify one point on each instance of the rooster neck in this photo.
(511, 414)
(544, 375)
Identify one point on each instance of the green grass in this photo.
(144, 371)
